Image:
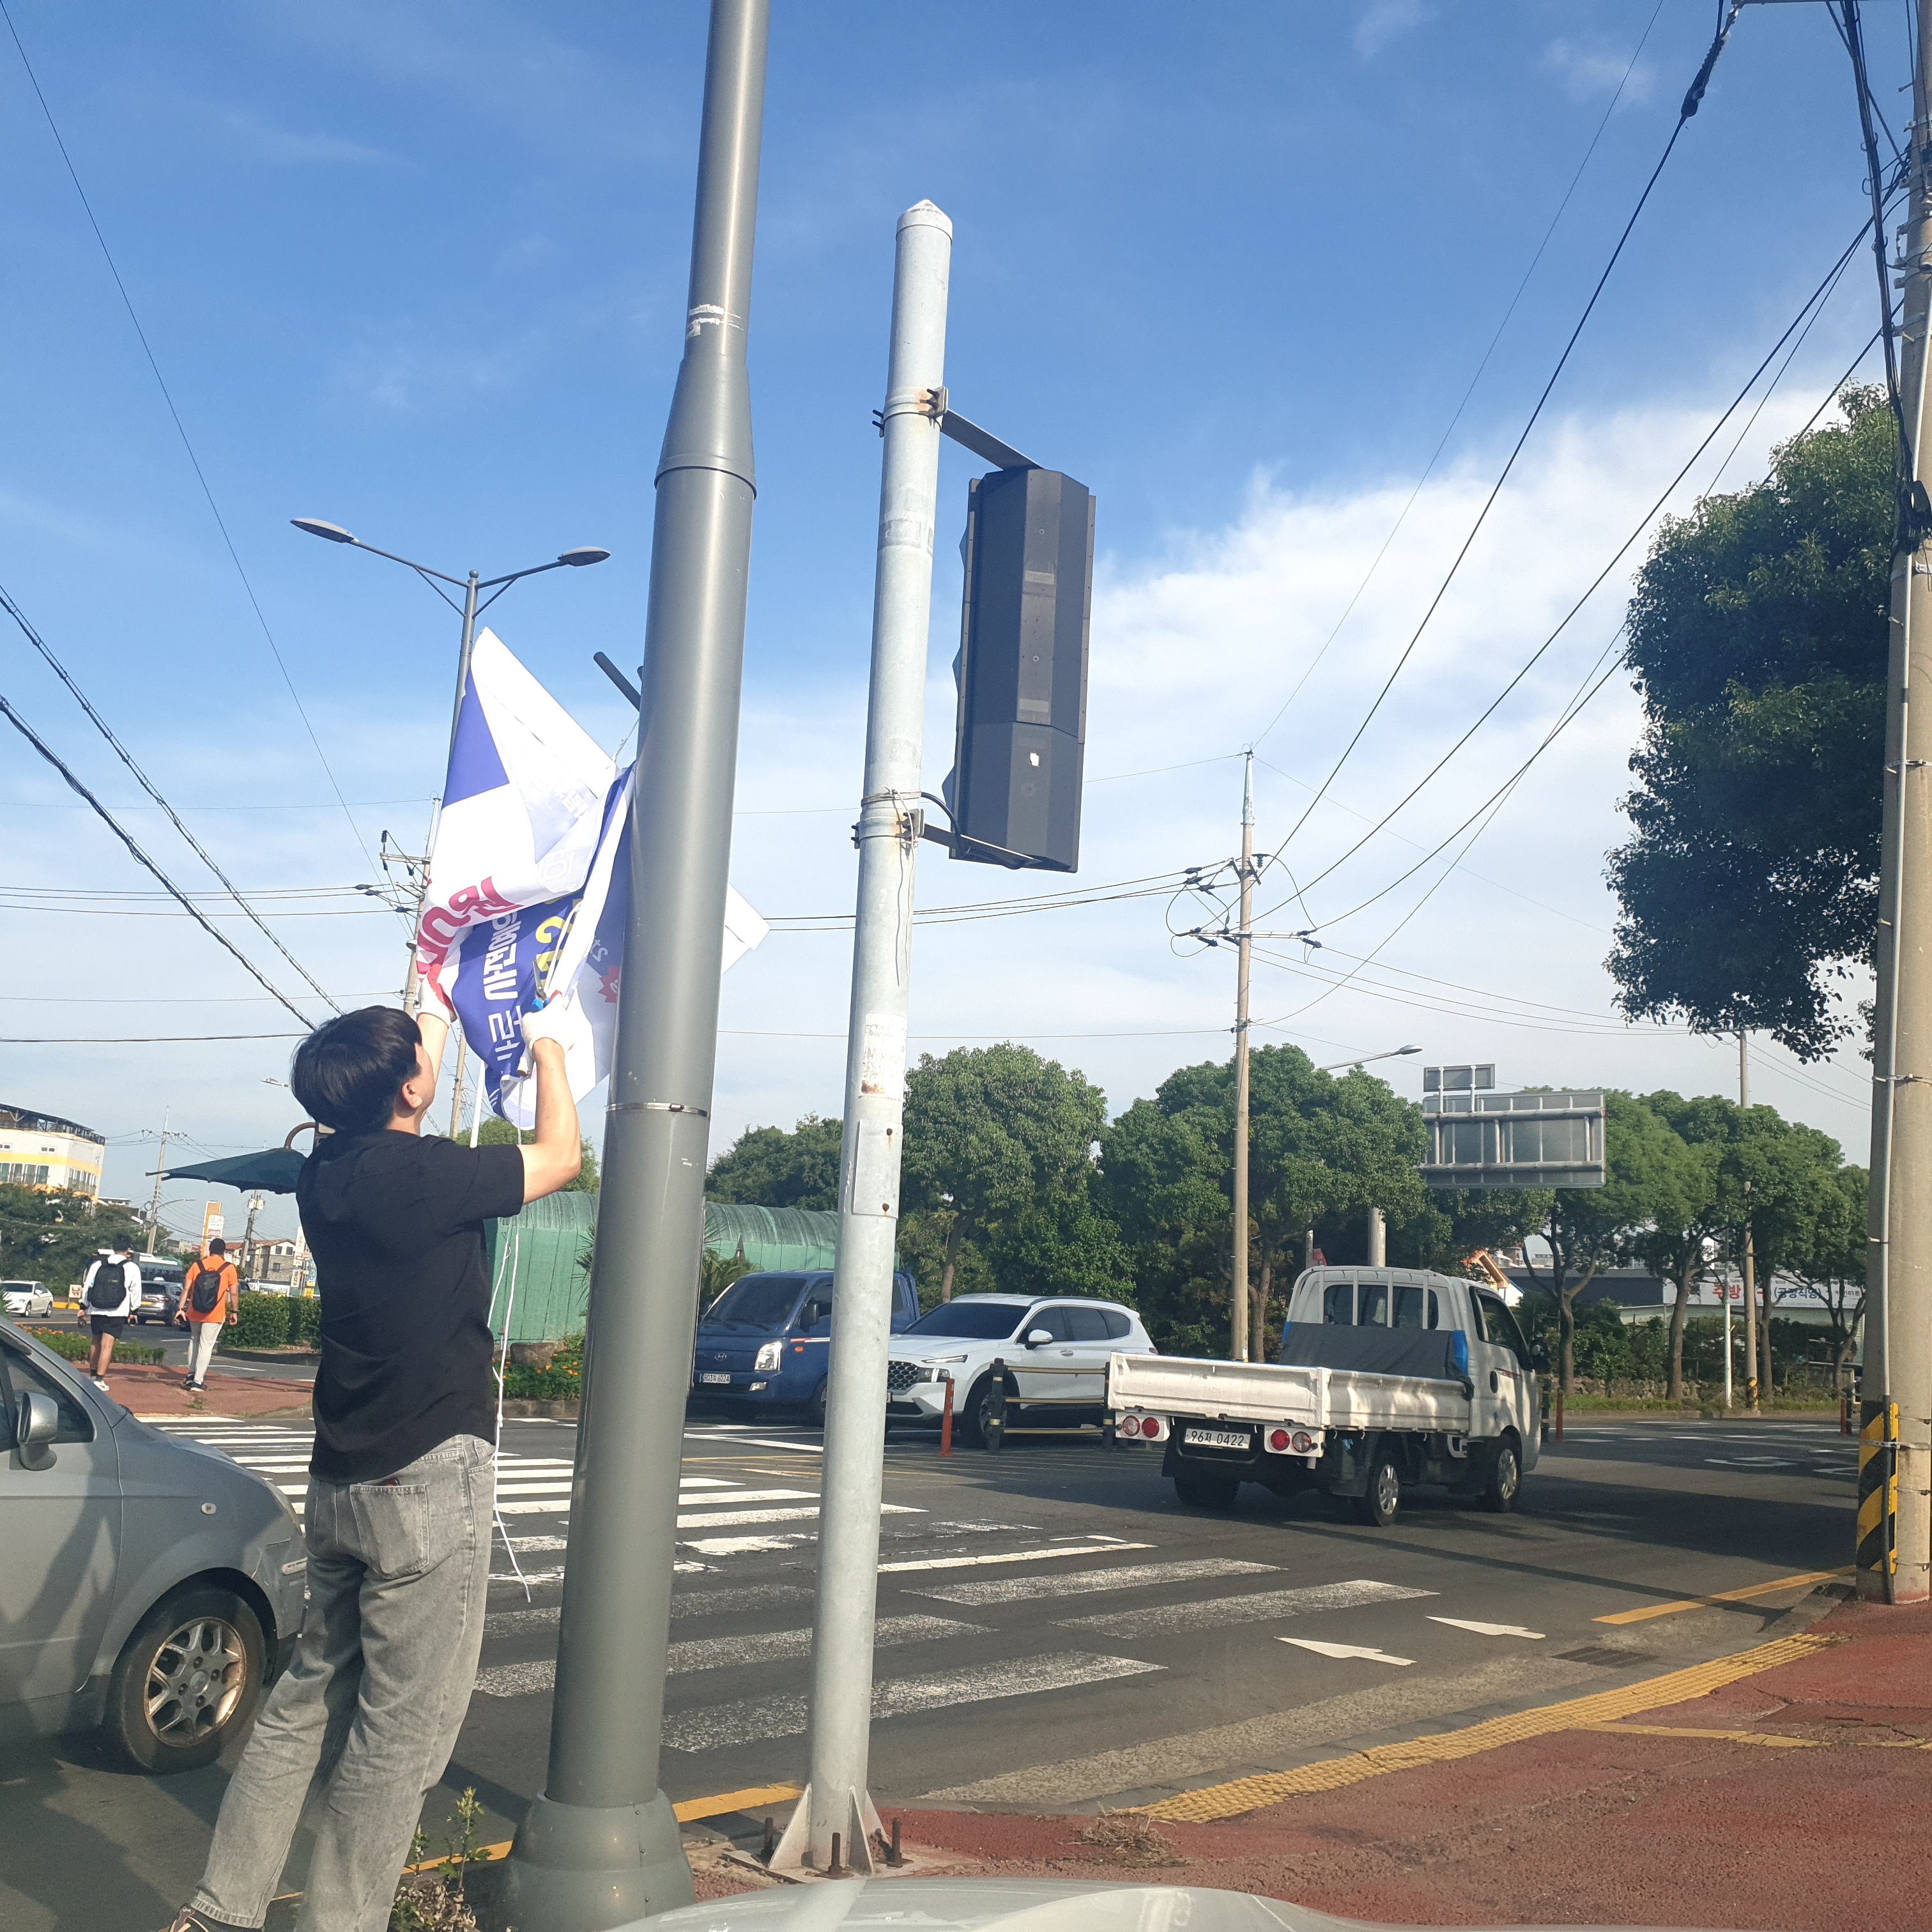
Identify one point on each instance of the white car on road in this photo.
(25, 1298)
(1055, 1352)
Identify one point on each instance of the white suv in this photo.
(1055, 1353)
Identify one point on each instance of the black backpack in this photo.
(207, 1289)
(108, 1288)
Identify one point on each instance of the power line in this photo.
(60, 670)
(1596, 583)
(53, 758)
(145, 1040)
(1692, 100)
(181, 430)
(1442, 444)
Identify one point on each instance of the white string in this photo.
(501, 1364)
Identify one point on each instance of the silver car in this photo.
(151, 1587)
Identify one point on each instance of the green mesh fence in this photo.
(540, 1259)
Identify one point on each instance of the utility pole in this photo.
(835, 1822)
(601, 1846)
(1243, 944)
(154, 1207)
(1378, 1238)
(1894, 1552)
(1750, 1256)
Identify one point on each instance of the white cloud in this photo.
(1588, 72)
(285, 147)
(1383, 21)
(1193, 652)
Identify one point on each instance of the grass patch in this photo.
(72, 1347)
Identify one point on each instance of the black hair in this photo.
(348, 1072)
(217, 1246)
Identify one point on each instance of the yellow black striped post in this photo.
(1878, 1500)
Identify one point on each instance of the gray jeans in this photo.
(366, 1714)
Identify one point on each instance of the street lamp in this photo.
(1363, 1059)
(471, 609)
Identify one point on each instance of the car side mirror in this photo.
(1038, 1338)
(39, 1424)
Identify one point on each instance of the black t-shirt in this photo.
(395, 1222)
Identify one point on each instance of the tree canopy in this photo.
(495, 1132)
(1758, 634)
(51, 1237)
(767, 1167)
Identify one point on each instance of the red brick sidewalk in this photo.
(1794, 1799)
(155, 1391)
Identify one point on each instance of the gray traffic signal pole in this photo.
(836, 1800)
(601, 1846)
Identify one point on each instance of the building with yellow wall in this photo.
(44, 1151)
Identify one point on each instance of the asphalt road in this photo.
(1057, 1631)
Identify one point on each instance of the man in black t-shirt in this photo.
(401, 1482)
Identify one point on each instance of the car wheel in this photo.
(1201, 1489)
(1505, 1483)
(1380, 1506)
(815, 1409)
(188, 1680)
(971, 1417)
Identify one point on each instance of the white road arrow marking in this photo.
(1486, 1630)
(1344, 1650)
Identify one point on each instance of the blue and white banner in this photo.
(521, 810)
(570, 951)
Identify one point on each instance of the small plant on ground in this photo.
(1127, 1838)
(431, 1898)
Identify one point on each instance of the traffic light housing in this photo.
(1021, 735)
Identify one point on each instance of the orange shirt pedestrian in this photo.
(227, 1301)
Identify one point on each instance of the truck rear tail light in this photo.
(1151, 1428)
(1278, 1441)
(1130, 1425)
(1304, 1442)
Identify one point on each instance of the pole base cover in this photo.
(583, 1868)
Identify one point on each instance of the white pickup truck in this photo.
(1386, 1377)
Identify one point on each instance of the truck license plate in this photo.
(1218, 1439)
(707, 1376)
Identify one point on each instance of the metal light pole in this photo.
(1748, 1259)
(835, 1801)
(471, 609)
(1243, 948)
(601, 1845)
(1894, 1552)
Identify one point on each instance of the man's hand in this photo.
(555, 1158)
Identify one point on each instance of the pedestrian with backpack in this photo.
(211, 1298)
(110, 1294)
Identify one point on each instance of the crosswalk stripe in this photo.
(1008, 1556)
(750, 1719)
(709, 1653)
(1162, 1619)
(729, 1603)
(735, 1496)
(725, 1518)
(1081, 1583)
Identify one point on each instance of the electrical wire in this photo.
(181, 430)
(53, 758)
(1595, 584)
(1542, 248)
(1692, 100)
(60, 670)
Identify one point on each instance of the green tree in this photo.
(495, 1132)
(1688, 1219)
(999, 1152)
(767, 1167)
(1831, 1262)
(1318, 1147)
(1592, 1229)
(52, 1237)
(1758, 634)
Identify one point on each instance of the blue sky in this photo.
(421, 271)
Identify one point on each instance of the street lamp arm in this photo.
(1363, 1059)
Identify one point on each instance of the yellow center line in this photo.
(1574, 1714)
(1744, 1596)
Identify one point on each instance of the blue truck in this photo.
(765, 1343)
